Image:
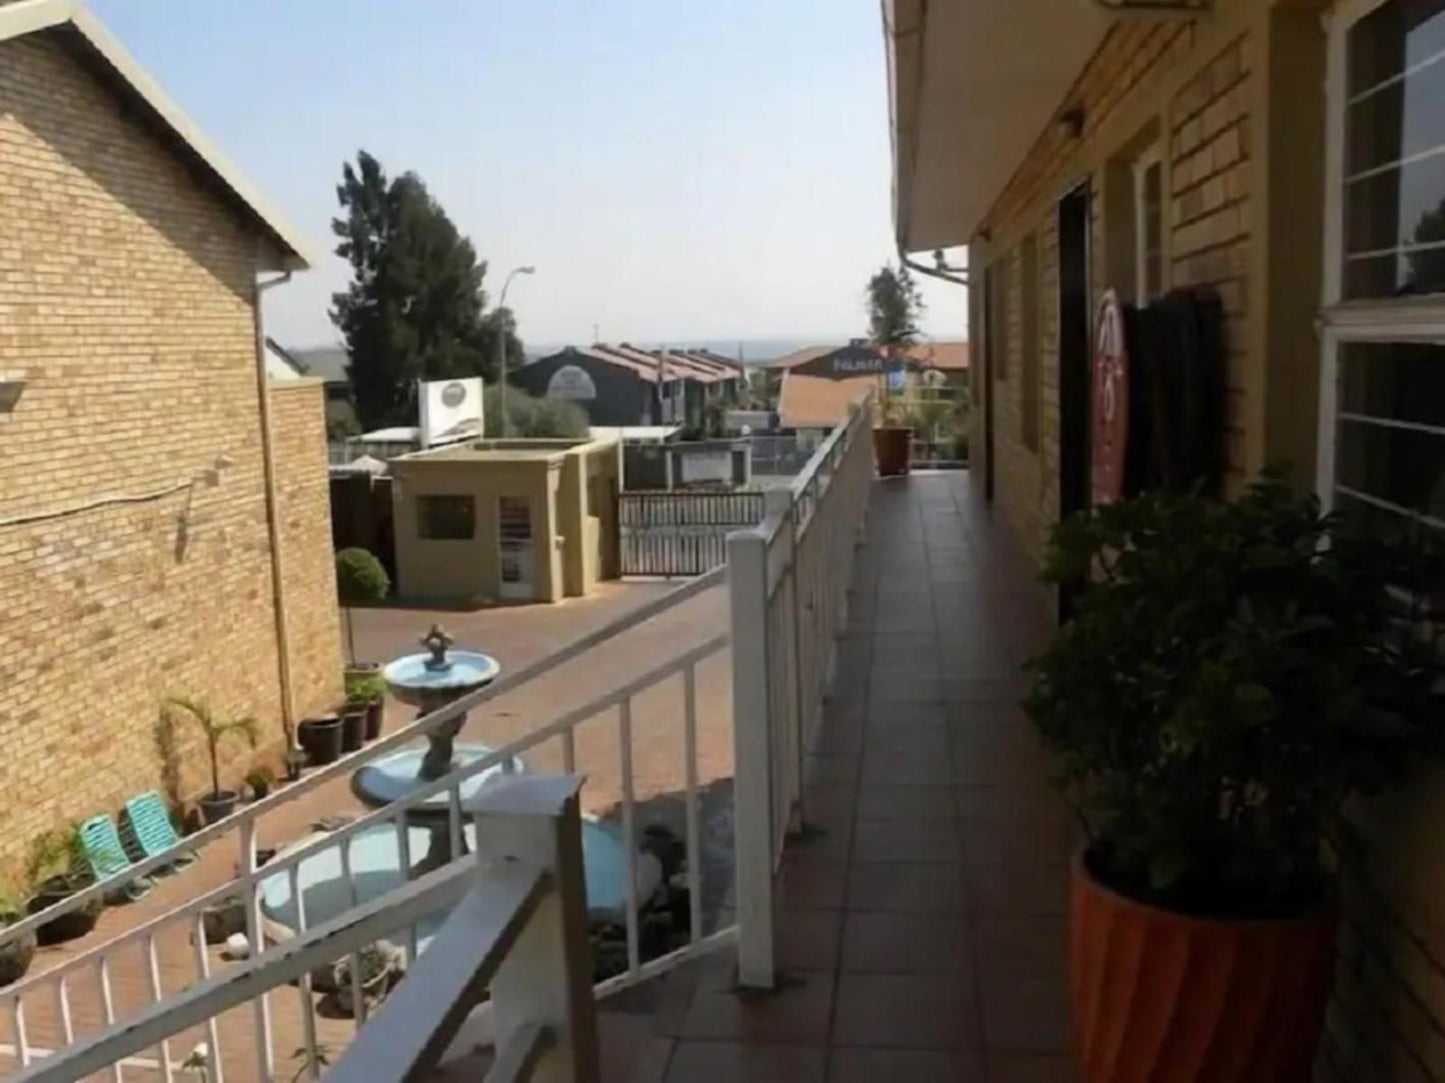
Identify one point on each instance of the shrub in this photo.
(360, 578)
(1232, 674)
(533, 418)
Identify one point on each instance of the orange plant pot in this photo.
(1160, 997)
(891, 447)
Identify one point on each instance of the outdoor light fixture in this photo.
(10, 391)
(1071, 121)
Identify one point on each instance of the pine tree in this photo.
(415, 308)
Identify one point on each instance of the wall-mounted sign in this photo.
(700, 466)
(1110, 401)
(572, 382)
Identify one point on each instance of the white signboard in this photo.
(706, 466)
(451, 410)
(572, 382)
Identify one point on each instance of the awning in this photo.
(972, 83)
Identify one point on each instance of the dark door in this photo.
(1075, 336)
(985, 382)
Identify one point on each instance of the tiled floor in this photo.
(921, 927)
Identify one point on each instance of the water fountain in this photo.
(430, 681)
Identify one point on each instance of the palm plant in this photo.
(216, 729)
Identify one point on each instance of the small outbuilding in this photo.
(493, 521)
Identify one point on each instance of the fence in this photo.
(74, 1005)
(516, 932)
(681, 533)
(788, 580)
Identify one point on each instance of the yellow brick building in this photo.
(1287, 156)
(164, 524)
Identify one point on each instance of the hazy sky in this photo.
(676, 170)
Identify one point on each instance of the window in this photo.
(998, 351)
(1394, 150)
(1382, 433)
(1029, 342)
(446, 518)
(1149, 225)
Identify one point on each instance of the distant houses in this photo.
(819, 383)
(626, 385)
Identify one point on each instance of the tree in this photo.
(360, 580)
(415, 308)
(533, 418)
(895, 308)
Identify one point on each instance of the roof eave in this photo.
(291, 249)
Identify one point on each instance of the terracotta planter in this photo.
(891, 447)
(1159, 997)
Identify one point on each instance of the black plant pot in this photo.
(353, 728)
(320, 739)
(70, 926)
(215, 807)
(373, 718)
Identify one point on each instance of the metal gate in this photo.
(681, 533)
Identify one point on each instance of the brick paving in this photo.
(921, 923)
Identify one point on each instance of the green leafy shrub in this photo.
(364, 688)
(216, 728)
(1232, 674)
(533, 418)
(360, 578)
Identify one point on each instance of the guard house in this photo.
(492, 522)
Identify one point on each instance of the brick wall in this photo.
(298, 433)
(126, 303)
(1149, 81)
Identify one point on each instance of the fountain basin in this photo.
(375, 858)
(417, 679)
(395, 777)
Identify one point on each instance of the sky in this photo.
(677, 171)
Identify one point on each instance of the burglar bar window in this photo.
(1394, 154)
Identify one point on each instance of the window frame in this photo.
(1408, 319)
(423, 521)
(1151, 157)
(1030, 336)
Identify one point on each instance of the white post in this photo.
(752, 748)
(546, 979)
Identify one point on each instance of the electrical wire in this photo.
(93, 505)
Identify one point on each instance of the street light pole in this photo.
(501, 350)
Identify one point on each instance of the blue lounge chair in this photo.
(151, 827)
(106, 856)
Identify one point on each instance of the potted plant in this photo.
(892, 436)
(320, 739)
(1233, 673)
(57, 869)
(16, 954)
(219, 803)
(353, 725)
(360, 580)
(368, 691)
(378, 964)
(260, 778)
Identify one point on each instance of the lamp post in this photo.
(502, 349)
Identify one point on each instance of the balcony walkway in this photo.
(922, 931)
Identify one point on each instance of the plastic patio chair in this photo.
(106, 855)
(150, 825)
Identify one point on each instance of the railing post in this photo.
(546, 979)
(752, 757)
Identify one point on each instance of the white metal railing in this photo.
(53, 1010)
(516, 936)
(788, 580)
